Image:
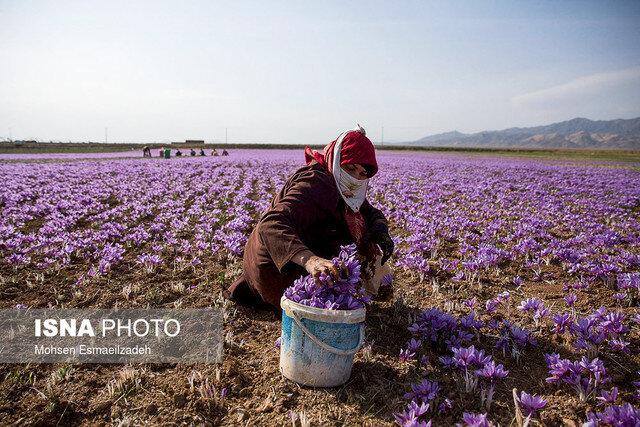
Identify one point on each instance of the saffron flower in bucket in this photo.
(343, 294)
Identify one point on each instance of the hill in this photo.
(575, 133)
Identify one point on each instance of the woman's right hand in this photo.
(316, 265)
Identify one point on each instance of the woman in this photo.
(321, 207)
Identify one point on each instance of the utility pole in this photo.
(382, 136)
(225, 135)
(10, 135)
(106, 135)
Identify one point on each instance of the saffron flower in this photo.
(606, 397)
(531, 403)
(344, 294)
(405, 355)
(585, 376)
(474, 420)
(531, 304)
(414, 345)
(491, 372)
(625, 415)
(570, 299)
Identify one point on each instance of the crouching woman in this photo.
(321, 207)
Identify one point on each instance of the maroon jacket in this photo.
(307, 213)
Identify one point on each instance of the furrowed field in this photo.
(533, 263)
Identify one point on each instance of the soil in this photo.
(257, 393)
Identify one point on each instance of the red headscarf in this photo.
(356, 149)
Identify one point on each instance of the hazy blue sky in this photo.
(302, 72)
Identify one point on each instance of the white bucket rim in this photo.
(323, 315)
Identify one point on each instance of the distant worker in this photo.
(225, 153)
(178, 153)
(193, 152)
(162, 152)
(146, 151)
(167, 153)
(202, 152)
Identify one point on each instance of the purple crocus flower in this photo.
(474, 420)
(464, 359)
(570, 299)
(531, 403)
(629, 281)
(446, 404)
(562, 322)
(606, 397)
(424, 392)
(345, 294)
(490, 306)
(470, 322)
(540, 313)
(447, 361)
(469, 302)
(585, 376)
(410, 420)
(424, 361)
(414, 345)
(491, 372)
(531, 304)
(620, 296)
(617, 344)
(418, 410)
(625, 415)
(405, 355)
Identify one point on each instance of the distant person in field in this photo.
(202, 152)
(322, 206)
(178, 153)
(225, 153)
(146, 151)
(162, 152)
(214, 152)
(193, 152)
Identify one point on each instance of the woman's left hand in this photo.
(379, 233)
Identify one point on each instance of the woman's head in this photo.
(351, 158)
(357, 170)
(357, 150)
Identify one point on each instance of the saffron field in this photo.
(511, 277)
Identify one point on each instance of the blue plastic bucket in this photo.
(317, 346)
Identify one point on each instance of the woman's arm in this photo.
(377, 229)
(371, 215)
(305, 199)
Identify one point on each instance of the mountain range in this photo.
(575, 133)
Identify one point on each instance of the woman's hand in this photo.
(316, 265)
(379, 233)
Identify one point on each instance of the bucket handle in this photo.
(326, 346)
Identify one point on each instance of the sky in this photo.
(301, 72)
